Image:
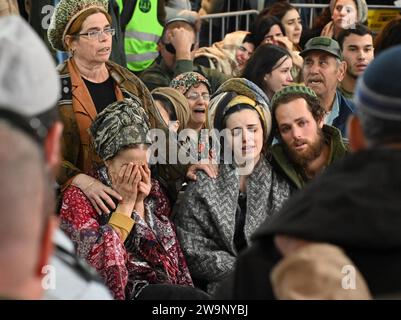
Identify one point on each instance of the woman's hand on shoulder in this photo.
(98, 194)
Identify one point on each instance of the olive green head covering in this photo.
(179, 103)
(121, 124)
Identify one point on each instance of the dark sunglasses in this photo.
(170, 48)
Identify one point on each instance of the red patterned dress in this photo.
(150, 254)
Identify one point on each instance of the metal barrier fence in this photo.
(314, 10)
(225, 17)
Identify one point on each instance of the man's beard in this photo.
(313, 151)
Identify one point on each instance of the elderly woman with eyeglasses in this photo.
(90, 82)
(196, 88)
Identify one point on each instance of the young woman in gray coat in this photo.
(216, 217)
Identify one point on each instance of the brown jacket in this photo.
(77, 111)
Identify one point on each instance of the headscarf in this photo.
(239, 91)
(120, 124)
(179, 102)
(184, 81)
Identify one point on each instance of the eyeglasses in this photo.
(195, 96)
(98, 34)
(170, 48)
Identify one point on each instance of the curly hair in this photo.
(313, 104)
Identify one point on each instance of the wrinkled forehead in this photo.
(319, 55)
(199, 87)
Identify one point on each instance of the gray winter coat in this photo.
(205, 219)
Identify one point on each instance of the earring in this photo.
(72, 51)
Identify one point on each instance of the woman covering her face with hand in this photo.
(136, 244)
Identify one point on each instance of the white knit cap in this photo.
(29, 82)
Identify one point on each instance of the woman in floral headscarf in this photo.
(196, 88)
(216, 217)
(136, 244)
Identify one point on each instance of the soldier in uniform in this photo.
(33, 92)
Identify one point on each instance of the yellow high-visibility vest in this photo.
(142, 34)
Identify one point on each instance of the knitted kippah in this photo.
(378, 91)
(29, 82)
(65, 13)
(292, 89)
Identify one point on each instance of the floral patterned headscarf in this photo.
(185, 81)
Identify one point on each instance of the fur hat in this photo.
(65, 14)
(361, 6)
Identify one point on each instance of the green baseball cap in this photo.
(326, 44)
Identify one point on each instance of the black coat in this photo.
(355, 204)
